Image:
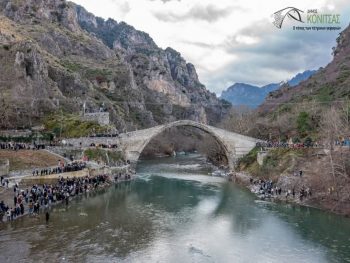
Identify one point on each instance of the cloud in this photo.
(209, 13)
(200, 44)
(276, 55)
(123, 6)
(165, 1)
(230, 41)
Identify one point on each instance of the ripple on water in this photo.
(193, 218)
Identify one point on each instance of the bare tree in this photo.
(240, 120)
(6, 113)
(334, 125)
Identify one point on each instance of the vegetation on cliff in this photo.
(55, 55)
(104, 156)
(315, 112)
(70, 126)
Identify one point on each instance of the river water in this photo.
(175, 212)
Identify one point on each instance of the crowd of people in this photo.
(278, 144)
(61, 168)
(102, 145)
(39, 198)
(4, 181)
(342, 142)
(119, 177)
(104, 135)
(267, 189)
(15, 146)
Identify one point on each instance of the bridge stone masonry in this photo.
(132, 143)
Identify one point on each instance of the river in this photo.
(175, 212)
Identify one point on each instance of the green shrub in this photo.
(248, 159)
(303, 122)
(105, 156)
(324, 95)
(71, 66)
(69, 125)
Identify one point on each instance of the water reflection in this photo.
(181, 216)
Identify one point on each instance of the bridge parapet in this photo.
(87, 141)
(133, 143)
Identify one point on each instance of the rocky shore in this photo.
(319, 200)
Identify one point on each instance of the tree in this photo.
(6, 113)
(334, 126)
(303, 122)
(239, 119)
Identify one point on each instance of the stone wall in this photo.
(101, 118)
(52, 178)
(66, 152)
(87, 141)
(4, 167)
(15, 133)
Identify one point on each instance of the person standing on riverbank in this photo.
(47, 216)
(8, 214)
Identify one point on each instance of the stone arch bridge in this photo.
(132, 143)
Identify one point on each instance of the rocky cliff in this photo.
(56, 56)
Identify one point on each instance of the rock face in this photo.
(57, 56)
(253, 96)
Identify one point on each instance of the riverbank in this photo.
(323, 171)
(318, 200)
(32, 198)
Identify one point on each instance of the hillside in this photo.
(252, 96)
(29, 159)
(317, 113)
(301, 111)
(56, 56)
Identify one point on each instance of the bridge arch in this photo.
(132, 143)
(134, 154)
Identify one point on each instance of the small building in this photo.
(102, 118)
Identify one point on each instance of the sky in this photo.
(231, 41)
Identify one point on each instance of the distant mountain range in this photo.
(252, 96)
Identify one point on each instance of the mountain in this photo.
(300, 77)
(316, 110)
(55, 56)
(244, 94)
(253, 96)
(313, 107)
(327, 86)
